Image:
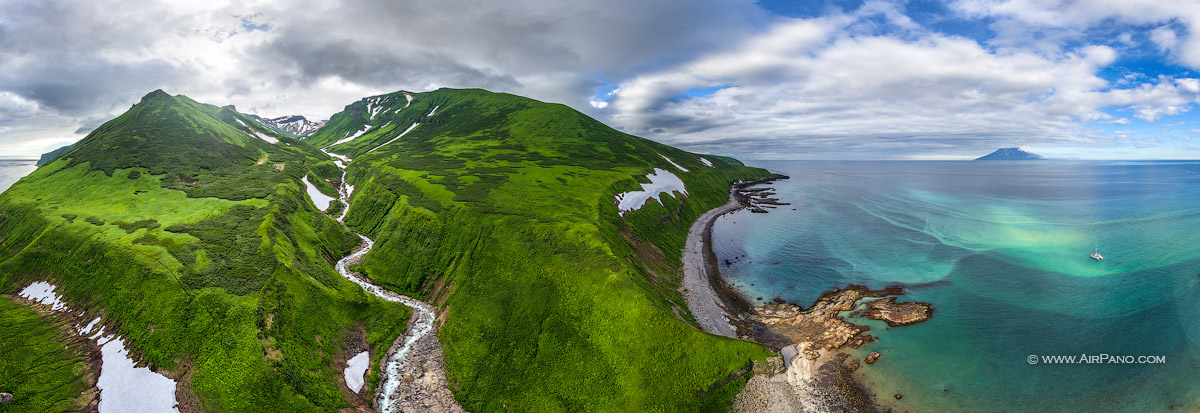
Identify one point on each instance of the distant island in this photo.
(1010, 154)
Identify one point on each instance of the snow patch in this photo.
(126, 388)
(88, 329)
(43, 293)
(661, 182)
(409, 102)
(256, 133)
(435, 108)
(406, 131)
(319, 199)
(343, 159)
(352, 137)
(673, 163)
(374, 109)
(356, 369)
(706, 162)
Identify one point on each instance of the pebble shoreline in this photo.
(809, 374)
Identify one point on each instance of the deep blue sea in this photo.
(1000, 249)
(13, 170)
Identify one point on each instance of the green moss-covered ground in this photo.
(500, 210)
(198, 242)
(39, 366)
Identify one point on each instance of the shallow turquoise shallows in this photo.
(1000, 249)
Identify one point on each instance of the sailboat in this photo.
(1096, 253)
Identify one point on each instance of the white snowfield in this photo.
(706, 162)
(123, 386)
(406, 131)
(88, 328)
(356, 370)
(339, 158)
(126, 388)
(435, 108)
(661, 182)
(371, 106)
(351, 137)
(43, 293)
(409, 102)
(322, 201)
(257, 134)
(295, 124)
(673, 163)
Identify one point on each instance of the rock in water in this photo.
(898, 314)
(872, 358)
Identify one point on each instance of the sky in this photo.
(770, 79)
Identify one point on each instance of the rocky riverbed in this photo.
(413, 369)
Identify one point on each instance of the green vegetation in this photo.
(201, 248)
(199, 242)
(499, 209)
(42, 374)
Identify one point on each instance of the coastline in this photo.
(715, 305)
(811, 371)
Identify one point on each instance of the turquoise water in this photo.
(1000, 249)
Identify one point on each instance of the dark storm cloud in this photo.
(80, 88)
(354, 62)
(76, 62)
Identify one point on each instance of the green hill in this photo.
(500, 210)
(188, 225)
(195, 239)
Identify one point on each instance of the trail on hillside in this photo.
(415, 384)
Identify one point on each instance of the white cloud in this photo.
(1164, 37)
(1049, 18)
(814, 85)
(313, 57)
(14, 106)
(871, 81)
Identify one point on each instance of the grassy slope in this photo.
(35, 366)
(205, 259)
(500, 209)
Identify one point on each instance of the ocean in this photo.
(1000, 249)
(12, 171)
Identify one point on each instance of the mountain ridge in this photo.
(500, 211)
(293, 125)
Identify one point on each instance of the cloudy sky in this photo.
(769, 79)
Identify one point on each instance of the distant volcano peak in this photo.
(1010, 154)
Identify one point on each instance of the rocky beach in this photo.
(810, 372)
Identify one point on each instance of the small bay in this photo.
(1000, 249)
